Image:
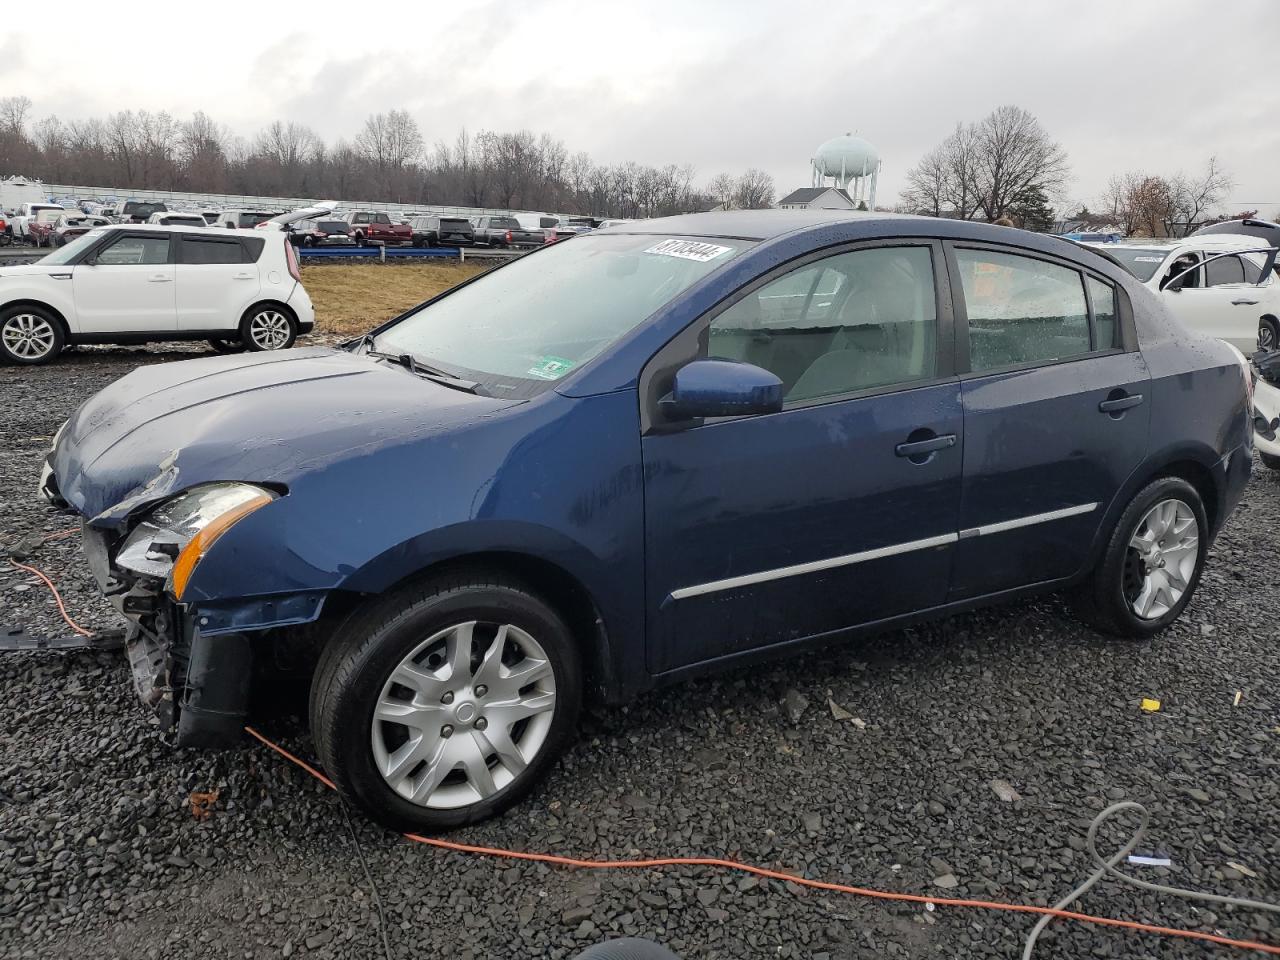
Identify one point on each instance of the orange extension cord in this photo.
(788, 878)
(733, 865)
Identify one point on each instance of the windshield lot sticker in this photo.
(550, 368)
(688, 250)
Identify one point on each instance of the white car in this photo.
(178, 218)
(137, 283)
(1220, 284)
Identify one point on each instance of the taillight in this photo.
(508, 236)
(291, 255)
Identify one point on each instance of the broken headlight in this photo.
(172, 538)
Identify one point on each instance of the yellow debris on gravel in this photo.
(352, 298)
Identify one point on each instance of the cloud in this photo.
(1146, 84)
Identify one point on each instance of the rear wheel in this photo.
(445, 702)
(1152, 563)
(268, 327)
(30, 336)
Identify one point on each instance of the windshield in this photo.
(66, 254)
(504, 223)
(246, 220)
(1142, 262)
(142, 210)
(180, 221)
(538, 318)
(331, 226)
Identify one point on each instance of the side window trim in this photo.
(112, 240)
(1124, 313)
(692, 342)
(195, 241)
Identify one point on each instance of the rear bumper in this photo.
(1231, 477)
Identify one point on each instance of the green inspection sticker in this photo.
(550, 368)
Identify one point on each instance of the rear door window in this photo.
(1021, 310)
(1106, 331)
(201, 250)
(1223, 270)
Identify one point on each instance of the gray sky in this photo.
(1157, 85)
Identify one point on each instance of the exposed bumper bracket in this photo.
(18, 640)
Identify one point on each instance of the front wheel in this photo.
(1152, 563)
(268, 327)
(1268, 334)
(30, 336)
(445, 702)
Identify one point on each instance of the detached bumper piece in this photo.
(18, 640)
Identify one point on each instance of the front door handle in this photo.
(1243, 303)
(1119, 404)
(159, 278)
(917, 448)
(243, 276)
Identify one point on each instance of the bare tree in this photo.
(722, 190)
(390, 141)
(1194, 195)
(13, 114)
(1014, 156)
(754, 190)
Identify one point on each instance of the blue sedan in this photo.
(662, 448)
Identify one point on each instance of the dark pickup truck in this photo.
(442, 232)
(506, 232)
(369, 226)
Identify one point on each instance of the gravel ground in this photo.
(101, 856)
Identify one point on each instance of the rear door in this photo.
(215, 282)
(127, 286)
(1056, 411)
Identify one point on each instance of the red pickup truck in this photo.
(369, 227)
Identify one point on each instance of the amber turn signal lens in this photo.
(185, 565)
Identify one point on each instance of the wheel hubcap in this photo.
(269, 329)
(1163, 553)
(27, 336)
(463, 714)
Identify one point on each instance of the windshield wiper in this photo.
(418, 368)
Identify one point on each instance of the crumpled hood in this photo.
(264, 418)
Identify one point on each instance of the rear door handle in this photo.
(243, 276)
(915, 448)
(1120, 403)
(1243, 303)
(159, 278)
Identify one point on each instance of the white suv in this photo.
(1219, 284)
(238, 289)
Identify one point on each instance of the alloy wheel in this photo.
(1163, 553)
(28, 336)
(269, 329)
(463, 714)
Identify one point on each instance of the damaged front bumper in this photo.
(196, 685)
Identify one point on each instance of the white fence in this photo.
(231, 201)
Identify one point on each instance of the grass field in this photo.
(351, 298)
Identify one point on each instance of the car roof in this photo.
(749, 224)
(1213, 241)
(183, 228)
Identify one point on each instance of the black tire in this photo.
(1103, 600)
(1268, 327)
(227, 346)
(254, 341)
(51, 332)
(1270, 460)
(360, 240)
(363, 652)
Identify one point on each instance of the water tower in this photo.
(852, 164)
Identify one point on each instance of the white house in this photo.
(817, 198)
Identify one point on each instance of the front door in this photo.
(128, 287)
(1056, 409)
(215, 283)
(839, 510)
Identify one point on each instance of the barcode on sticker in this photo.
(688, 250)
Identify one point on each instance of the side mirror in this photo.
(722, 388)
